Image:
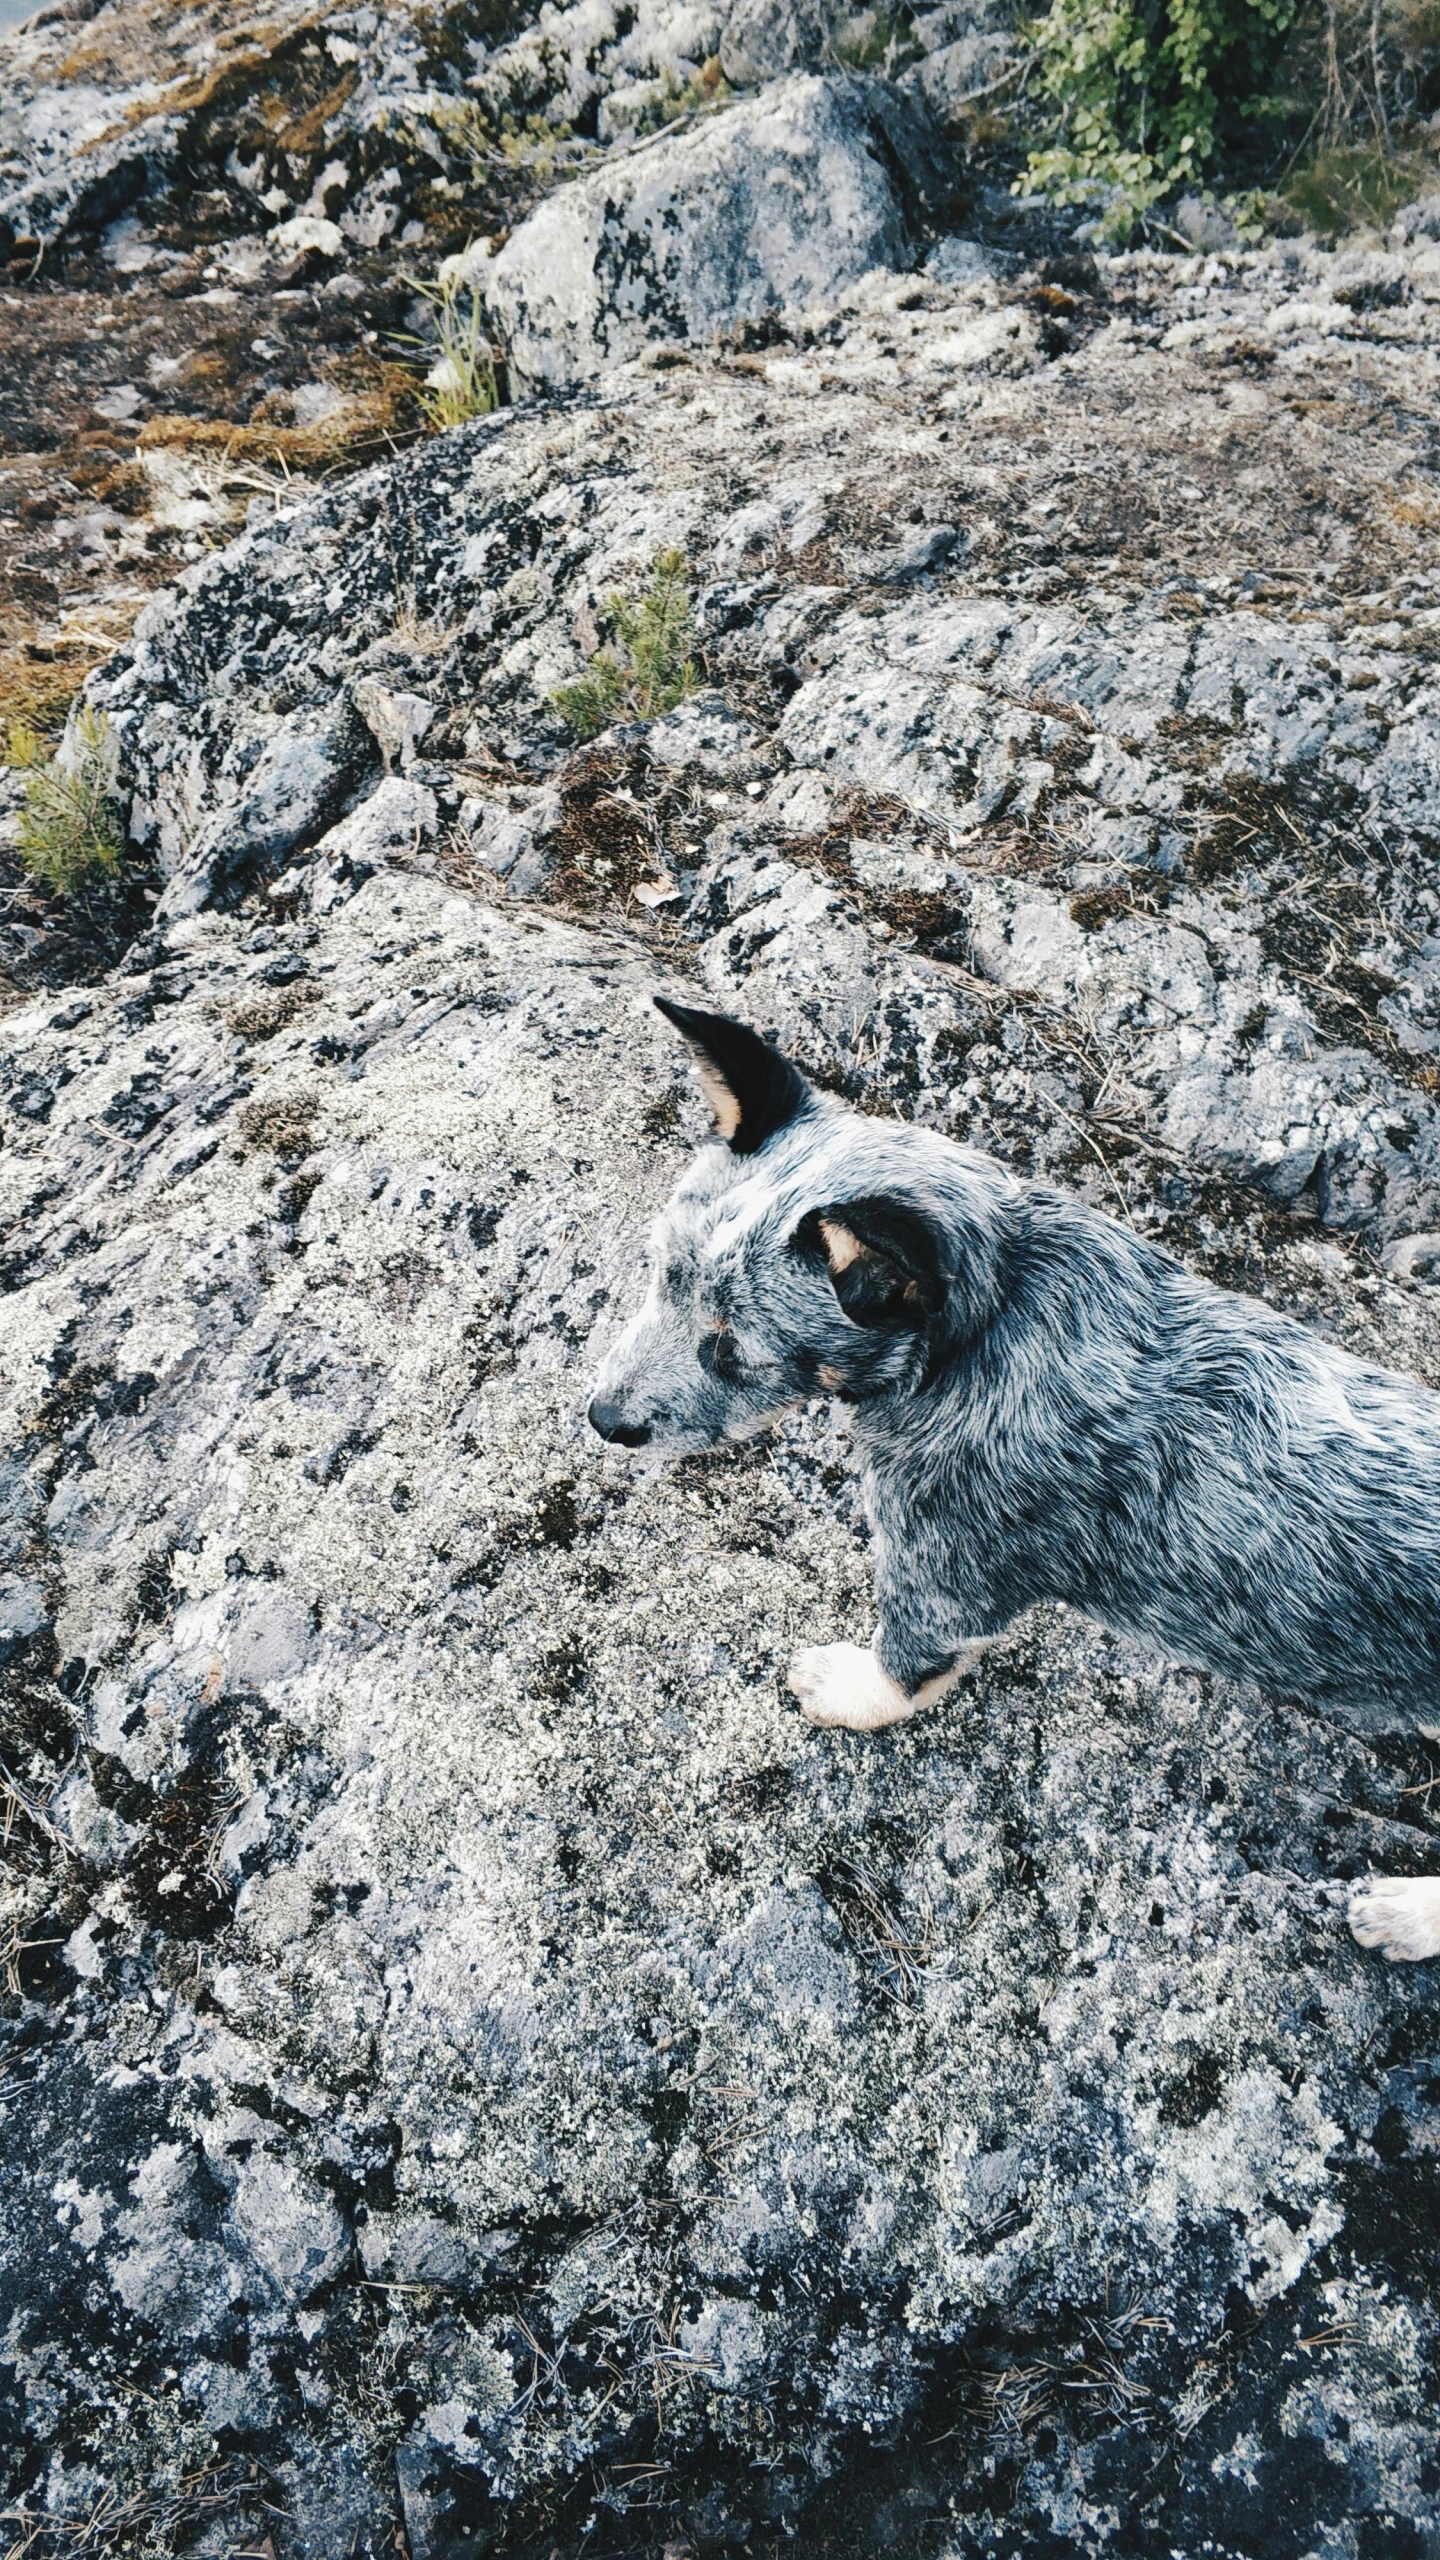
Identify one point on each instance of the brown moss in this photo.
(280, 1123)
(126, 489)
(265, 88)
(36, 694)
(99, 469)
(1051, 708)
(260, 1017)
(211, 364)
(38, 684)
(609, 837)
(1202, 741)
(1095, 908)
(1247, 818)
(303, 135)
(151, 35)
(1415, 509)
(179, 97)
(280, 104)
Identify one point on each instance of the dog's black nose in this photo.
(609, 1422)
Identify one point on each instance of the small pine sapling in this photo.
(69, 826)
(652, 668)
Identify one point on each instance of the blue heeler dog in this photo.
(1047, 1408)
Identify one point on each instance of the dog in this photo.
(1047, 1408)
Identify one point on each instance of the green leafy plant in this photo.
(533, 144)
(651, 670)
(25, 748)
(1146, 94)
(1142, 93)
(461, 383)
(529, 145)
(464, 130)
(69, 826)
(1253, 214)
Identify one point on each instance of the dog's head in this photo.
(813, 1252)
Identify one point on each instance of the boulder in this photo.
(496, 2004)
(765, 39)
(778, 202)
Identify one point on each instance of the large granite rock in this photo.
(1106, 797)
(780, 202)
(472, 2028)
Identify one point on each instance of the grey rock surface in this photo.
(625, 69)
(103, 113)
(779, 202)
(472, 2053)
(765, 39)
(476, 1921)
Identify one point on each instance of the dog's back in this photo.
(1196, 1468)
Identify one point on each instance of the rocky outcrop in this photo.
(348, 113)
(1110, 803)
(108, 108)
(782, 201)
(478, 2066)
(478, 2029)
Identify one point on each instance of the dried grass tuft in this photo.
(155, 2519)
(378, 413)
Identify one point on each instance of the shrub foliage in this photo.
(1143, 92)
(69, 826)
(1145, 96)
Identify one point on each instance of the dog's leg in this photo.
(843, 1684)
(931, 1633)
(1399, 1915)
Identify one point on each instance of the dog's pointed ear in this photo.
(886, 1259)
(751, 1089)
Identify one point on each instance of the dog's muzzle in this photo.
(608, 1420)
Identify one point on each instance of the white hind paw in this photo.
(1398, 1915)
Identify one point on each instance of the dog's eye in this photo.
(717, 1355)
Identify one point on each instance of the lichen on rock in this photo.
(478, 2065)
(780, 202)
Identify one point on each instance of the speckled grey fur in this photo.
(1077, 1419)
(1047, 1408)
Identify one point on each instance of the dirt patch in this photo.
(376, 411)
(48, 941)
(614, 805)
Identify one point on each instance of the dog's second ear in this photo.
(751, 1089)
(885, 1257)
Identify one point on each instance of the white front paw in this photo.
(1399, 1915)
(843, 1684)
